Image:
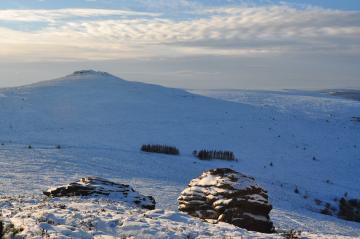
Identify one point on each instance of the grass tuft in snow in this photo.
(291, 234)
(9, 230)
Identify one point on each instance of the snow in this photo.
(257, 217)
(216, 182)
(222, 202)
(209, 180)
(101, 121)
(97, 218)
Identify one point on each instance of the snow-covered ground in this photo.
(100, 122)
(96, 218)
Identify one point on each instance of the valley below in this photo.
(302, 147)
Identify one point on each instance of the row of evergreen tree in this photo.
(214, 154)
(158, 148)
(202, 154)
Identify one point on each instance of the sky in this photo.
(213, 44)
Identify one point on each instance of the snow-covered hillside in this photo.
(101, 121)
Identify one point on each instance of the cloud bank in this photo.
(250, 31)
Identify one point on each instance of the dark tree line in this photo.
(214, 154)
(202, 154)
(162, 149)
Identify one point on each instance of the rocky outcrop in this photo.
(224, 195)
(94, 186)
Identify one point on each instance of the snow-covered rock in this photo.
(224, 195)
(94, 186)
(39, 217)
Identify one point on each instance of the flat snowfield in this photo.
(286, 140)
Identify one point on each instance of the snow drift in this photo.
(289, 141)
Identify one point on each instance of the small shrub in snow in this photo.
(292, 234)
(162, 149)
(327, 210)
(214, 154)
(296, 190)
(349, 209)
(8, 230)
(318, 202)
(356, 119)
(44, 233)
(328, 181)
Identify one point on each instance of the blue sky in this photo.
(335, 4)
(264, 44)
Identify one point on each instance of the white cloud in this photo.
(170, 5)
(46, 15)
(248, 31)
